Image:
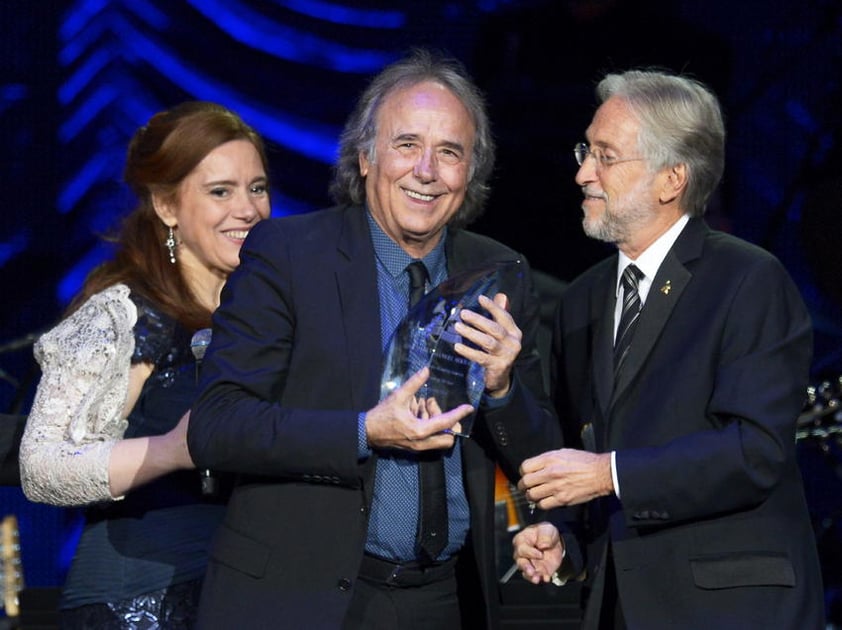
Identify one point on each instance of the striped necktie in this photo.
(629, 315)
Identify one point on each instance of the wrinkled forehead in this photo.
(614, 125)
(426, 103)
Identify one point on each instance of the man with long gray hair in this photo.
(328, 527)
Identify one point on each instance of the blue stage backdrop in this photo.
(79, 76)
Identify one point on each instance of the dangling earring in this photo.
(170, 244)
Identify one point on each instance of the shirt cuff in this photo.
(555, 578)
(614, 480)
(495, 403)
(363, 449)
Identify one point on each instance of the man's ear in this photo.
(164, 209)
(674, 183)
(364, 163)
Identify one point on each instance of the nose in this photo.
(426, 168)
(248, 208)
(586, 172)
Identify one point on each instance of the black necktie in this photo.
(432, 513)
(629, 315)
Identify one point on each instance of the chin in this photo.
(419, 229)
(590, 225)
(597, 230)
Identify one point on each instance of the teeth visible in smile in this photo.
(241, 234)
(419, 196)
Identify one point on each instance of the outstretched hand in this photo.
(538, 552)
(566, 477)
(402, 420)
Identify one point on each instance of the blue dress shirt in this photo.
(393, 521)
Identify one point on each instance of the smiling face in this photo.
(621, 197)
(416, 178)
(626, 203)
(215, 207)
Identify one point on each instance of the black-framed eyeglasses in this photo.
(582, 151)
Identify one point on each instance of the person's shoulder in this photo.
(104, 320)
(320, 215)
(465, 240)
(592, 275)
(297, 226)
(735, 253)
(116, 293)
(721, 259)
(585, 293)
(114, 303)
(723, 242)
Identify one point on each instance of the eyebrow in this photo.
(405, 136)
(456, 146)
(449, 144)
(602, 144)
(231, 182)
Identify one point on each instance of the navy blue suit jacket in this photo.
(296, 356)
(712, 528)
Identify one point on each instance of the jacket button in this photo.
(344, 584)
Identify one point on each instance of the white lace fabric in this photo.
(76, 417)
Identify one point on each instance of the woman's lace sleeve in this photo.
(76, 416)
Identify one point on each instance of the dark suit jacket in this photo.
(296, 356)
(712, 529)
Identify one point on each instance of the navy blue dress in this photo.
(144, 556)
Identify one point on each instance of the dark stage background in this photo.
(78, 76)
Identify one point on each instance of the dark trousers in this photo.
(382, 603)
(611, 614)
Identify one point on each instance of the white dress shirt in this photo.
(648, 262)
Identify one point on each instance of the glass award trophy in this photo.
(426, 337)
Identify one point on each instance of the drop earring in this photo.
(170, 244)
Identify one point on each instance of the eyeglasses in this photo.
(581, 152)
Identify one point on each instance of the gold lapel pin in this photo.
(666, 288)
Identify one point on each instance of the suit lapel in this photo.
(667, 287)
(356, 283)
(603, 299)
(461, 254)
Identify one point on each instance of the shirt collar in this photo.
(394, 259)
(650, 260)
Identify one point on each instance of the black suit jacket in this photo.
(712, 528)
(296, 356)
